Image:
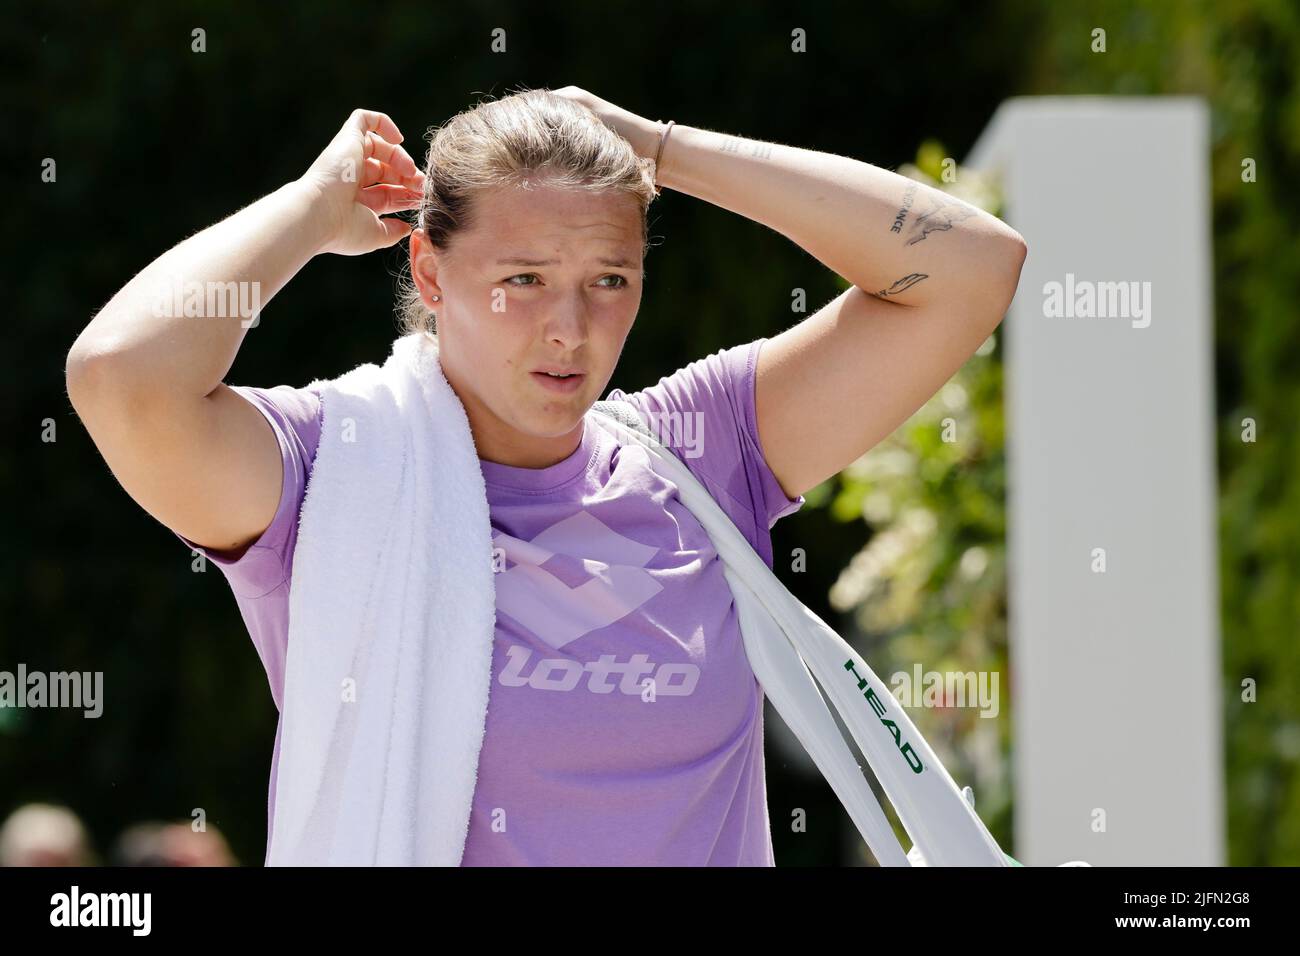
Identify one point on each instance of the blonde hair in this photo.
(510, 141)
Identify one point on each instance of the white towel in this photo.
(391, 622)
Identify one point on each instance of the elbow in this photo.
(92, 369)
(1021, 250)
(1013, 261)
(1016, 249)
(79, 369)
(79, 357)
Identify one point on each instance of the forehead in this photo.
(545, 218)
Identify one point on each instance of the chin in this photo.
(551, 421)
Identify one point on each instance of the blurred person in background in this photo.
(42, 834)
(171, 844)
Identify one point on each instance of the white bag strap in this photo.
(783, 640)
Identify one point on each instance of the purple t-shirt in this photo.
(624, 724)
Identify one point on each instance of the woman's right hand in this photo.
(361, 175)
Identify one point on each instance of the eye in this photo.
(620, 283)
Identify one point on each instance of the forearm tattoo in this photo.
(903, 284)
(908, 195)
(753, 148)
(943, 213)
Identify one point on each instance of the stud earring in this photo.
(435, 298)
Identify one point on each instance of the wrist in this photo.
(641, 133)
(306, 204)
(668, 131)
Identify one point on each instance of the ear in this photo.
(424, 269)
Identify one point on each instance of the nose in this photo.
(566, 327)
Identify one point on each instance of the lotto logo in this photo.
(604, 675)
(614, 582)
(604, 580)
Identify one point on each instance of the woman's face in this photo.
(545, 277)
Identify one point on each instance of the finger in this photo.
(394, 230)
(385, 199)
(371, 121)
(373, 171)
(392, 154)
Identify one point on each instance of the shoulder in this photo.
(715, 391)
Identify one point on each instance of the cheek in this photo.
(497, 335)
(503, 349)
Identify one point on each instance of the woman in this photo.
(528, 254)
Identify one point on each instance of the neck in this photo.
(498, 442)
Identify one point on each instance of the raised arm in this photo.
(145, 376)
(932, 278)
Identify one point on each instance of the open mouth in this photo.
(559, 383)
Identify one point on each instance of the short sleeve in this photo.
(294, 416)
(705, 413)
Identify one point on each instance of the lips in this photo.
(555, 383)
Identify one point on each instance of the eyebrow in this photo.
(520, 261)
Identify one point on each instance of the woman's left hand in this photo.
(642, 133)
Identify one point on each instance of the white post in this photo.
(1112, 538)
